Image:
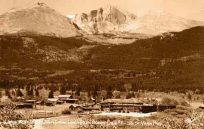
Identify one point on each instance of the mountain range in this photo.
(38, 41)
(110, 19)
(103, 20)
(43, 20)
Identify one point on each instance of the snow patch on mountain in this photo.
(111, 19)
(71, 17)
(103, 20)
(160, 22)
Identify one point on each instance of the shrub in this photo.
(169, 101)
(10, 119)
(194, 120)
(184, 103)
(66, 111)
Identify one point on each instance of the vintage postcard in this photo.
(101, 64)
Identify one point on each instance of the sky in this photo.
(191, 9)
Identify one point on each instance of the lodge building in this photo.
(132, 105)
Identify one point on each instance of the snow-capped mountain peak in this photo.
(111, 19)
(103, 20)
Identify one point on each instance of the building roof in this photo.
(166, 105)
(119, 101)
(30, 100)
(24, 104)
(74, 105)
(52, 99)
(64, 96)
(72, 99)
(202, 106)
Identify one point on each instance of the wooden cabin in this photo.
(71, 100)
(146, 108)
(127, 105)
(67, 98)
(24, 105)
(51, 102)
(162, 107)
(80, 108)
(121, 105)
(60, 102)
(30, 101)
(41, 102)
(64, 97)
(33, 102)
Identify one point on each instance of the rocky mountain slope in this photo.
(38, 41)
(160, 22)
(168, 61)
(149, 53)
(28, 51)
(111, 19)
(103, 20)
(171, 61)
(38, 19)
(146, 53)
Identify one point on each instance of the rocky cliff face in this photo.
(103, 20)
(110, 19)
(38, 19)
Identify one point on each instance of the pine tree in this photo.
(37, 92)
(7, 92)
(19, 93)
(109, 92)
(78, 90)
(51, 94)
(63, 90)
(31, 90)
(95, 94)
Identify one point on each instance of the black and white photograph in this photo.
(101, 64)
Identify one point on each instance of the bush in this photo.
(10, 119)
(66, 111)
(184, 103)
(195, 120)
(169, 101)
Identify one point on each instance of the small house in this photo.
(67, 98)
(162, 107)
(146, 108)
(51, 102)
(202, 106)
(24, 105)
(60, 102)
(30, 101)
(41, 102)
(33, 102)
(121, 105)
